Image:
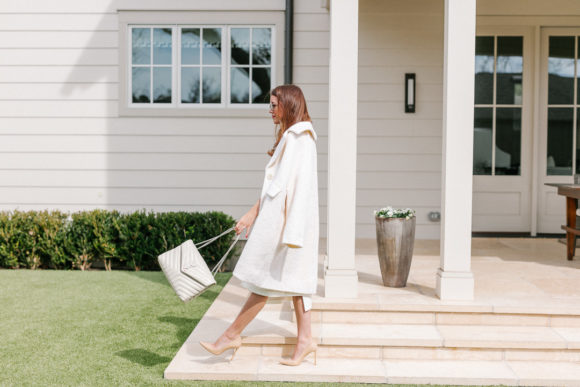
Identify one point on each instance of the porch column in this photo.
(454, 277)
(340, 277)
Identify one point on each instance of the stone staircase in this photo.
(522, 329)
(407, 343)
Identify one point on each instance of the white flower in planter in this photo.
(390, 212)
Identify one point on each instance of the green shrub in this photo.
(57, 240)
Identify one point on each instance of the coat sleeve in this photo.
(298, 192)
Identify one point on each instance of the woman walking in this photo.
(280, 258)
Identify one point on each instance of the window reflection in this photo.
(162, 46)
(261, 45)
(239, 86)
(484, 62)
(190, 85)
(240, 45)
(212, 46)
(190, 46)
(508, 133)
(141, 45)
(212, 85)
(482, 141)
(141, 84)
(162, 85)
(260, 84)
(509, 70)
(559, 157)
(561, 70)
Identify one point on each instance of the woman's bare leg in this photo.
(251, 308)
(304, 327)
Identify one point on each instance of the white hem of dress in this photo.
(307, 300)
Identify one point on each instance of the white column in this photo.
(340, 277)
(454, 277)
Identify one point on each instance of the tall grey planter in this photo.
(395, 241)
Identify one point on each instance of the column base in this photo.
(455, 285)
(340, 283)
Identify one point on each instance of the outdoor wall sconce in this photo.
(410, 93)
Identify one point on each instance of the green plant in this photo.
(390, 212)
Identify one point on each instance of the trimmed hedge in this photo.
(58, 240)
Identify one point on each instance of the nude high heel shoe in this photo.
(311, 348)
(235, 344)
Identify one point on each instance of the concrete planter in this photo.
(395, 240)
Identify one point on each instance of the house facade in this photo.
(127, 104)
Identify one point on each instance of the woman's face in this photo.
(275, 110)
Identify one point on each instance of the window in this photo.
(192, 66)
(563, 106)
(498, 105)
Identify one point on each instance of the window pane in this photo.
(559, 157)
(578, 75)
(162, 85)
(190, 47)
(561, 70)
(240, 45)
(212, 85)
(141, 38)
(240, 87)
(190, 85)
(577, 141)
(484, 70)
(508, 134)
(261, 45)
(482, 137)
(509, 70)
(141, 84)
(212, 46)
(260, 84)
(162, 45)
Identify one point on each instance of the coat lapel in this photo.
(297, 128)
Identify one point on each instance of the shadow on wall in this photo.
(158, 163)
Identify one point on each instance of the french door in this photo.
(502, 166)
(559, 148)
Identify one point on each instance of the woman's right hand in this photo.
(247, 220)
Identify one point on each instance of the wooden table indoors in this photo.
(572, 193)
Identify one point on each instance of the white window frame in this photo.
(176, 21)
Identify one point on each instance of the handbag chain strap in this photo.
(211, 240)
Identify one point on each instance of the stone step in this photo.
(392, 341)
(443, 318)
(200, 366)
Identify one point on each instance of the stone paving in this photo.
(522, 328)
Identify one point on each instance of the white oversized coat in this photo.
(281, 252)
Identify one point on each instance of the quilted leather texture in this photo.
(186, 271)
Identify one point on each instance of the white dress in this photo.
(280, 258)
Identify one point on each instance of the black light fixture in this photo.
(410, 93)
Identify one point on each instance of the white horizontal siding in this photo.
(400, 151)
(62, 144)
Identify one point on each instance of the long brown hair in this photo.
(293, 105)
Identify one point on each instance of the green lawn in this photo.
(95, 328)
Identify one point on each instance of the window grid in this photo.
(176, 67)
(201, 65)
(574, 107)
(494, 105)
(250, 64)
(151, 65)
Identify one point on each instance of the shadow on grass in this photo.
(153, 276)
(184, 326)
(143, 357)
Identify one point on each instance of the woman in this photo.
(280, 258)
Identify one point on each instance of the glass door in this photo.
(559, 152)
(502, 144)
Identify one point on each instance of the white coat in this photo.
(281, 252)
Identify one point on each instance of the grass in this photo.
(96, 328)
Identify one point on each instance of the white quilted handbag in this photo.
(186, 269)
